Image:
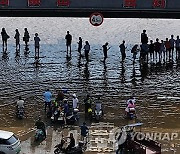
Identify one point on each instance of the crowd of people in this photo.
(153, 50)
(161, 50)
(61, 102)
(149, 50)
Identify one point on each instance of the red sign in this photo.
(4, 2)
(96, 19)
(159, 3)
(34, 2)
(63, 2)
(130, 3)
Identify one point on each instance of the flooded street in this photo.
(156, 87)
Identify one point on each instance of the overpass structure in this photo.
(84, 8)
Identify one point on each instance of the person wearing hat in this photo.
(75, 101)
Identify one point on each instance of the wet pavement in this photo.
(156, 88)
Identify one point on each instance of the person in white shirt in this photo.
(75, 101)
(20, 103)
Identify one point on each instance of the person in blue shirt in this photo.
(47, 98)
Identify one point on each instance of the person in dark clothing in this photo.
(26, 37)
(157, 47)
(168, 48)
(68, 38)
(122, 49)
(56, 113)
(144, 52)
(40, 125)
(17, 39)
(144, 38)
(60, 97)
(134, 51)
(66, 110)
(5, 37)
(66, 107)
(88, 103)
(172, 43)
(105, 49)
(36, 45)
(80, 45)
(177, 45)
(72, 142)
(151, 49)
(84, 131)
(86, 50)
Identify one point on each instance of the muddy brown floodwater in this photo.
(156, 88)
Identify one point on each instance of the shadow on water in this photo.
(144, 69)
(86, 72)
(105, 74)
(133, 77)
(122, 77)
(5, 56)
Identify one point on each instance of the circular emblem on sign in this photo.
(96, 19)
